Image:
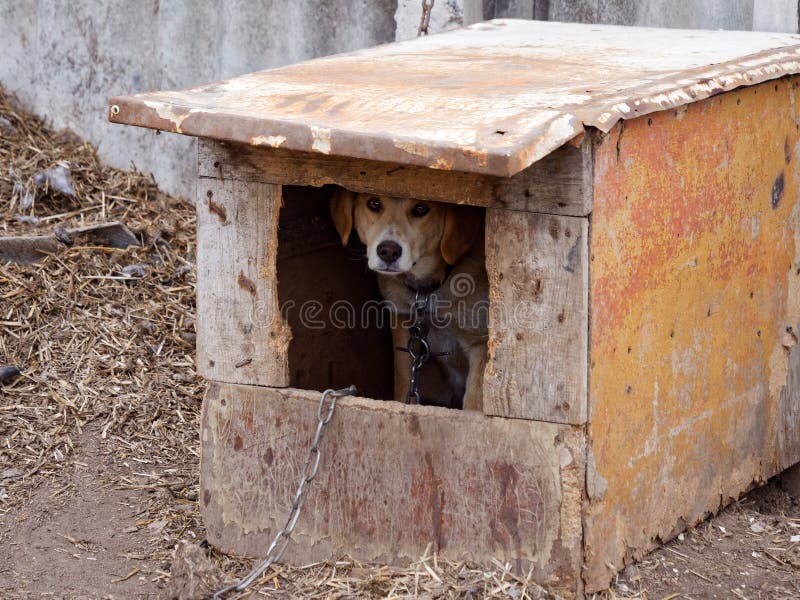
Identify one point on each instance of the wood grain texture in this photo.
(788, 427)
(241, 335)
(560, 183)
(392, 480)
(537, 267)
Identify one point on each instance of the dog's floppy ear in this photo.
(461, 228)
(342, 212)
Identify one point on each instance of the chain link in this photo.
(327, 404)
(419, 350)
(418, 347)
(425, 19)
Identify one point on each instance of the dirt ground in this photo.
(744, 552)
(92, 540)
(91, 534)
(98, 432)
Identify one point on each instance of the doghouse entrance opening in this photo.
(341, 327)
(340, 332)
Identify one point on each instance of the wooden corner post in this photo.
(241, 334)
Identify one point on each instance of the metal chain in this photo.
(425, 19)
(310, 469)
(418, 347)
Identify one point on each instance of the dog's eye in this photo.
(420, 210)
(374, 204)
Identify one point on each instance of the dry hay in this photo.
(97, 350)
(107, 354)
(426, 579)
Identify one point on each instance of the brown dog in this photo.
(437, 249)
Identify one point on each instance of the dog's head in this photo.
(405, 236)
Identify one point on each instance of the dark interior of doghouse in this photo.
(340, 328)
(331, 302)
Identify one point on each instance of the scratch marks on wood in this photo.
(379, 496)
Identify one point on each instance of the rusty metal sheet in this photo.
(695, 288)
(492, 98)
(393, 481)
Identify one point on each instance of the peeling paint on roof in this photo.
(274, 141)
(492, 98)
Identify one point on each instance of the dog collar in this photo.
(429, 289)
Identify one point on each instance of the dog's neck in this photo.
(427, 286)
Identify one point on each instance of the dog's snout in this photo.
(389, 252)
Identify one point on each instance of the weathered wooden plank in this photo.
(110, 235)
(392, 480)
(560, 183)
(788, 428)
(26, 250)
(537, 267)
(241, 335)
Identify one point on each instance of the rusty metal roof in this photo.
(492, 98)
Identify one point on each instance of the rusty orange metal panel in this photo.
(695, 287)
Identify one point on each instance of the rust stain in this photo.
(537, 285)
(436, 503)
(427, 495)
(413, 426)
(553, 229)
(505, 526)
(246, 283)
(435, 102)
(693, 245)
(218, 209)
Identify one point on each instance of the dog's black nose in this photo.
(389, 252)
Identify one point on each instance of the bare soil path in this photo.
(80, 536)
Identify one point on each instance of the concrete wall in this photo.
(776, 15)
(689, 14)
(64, 59)
(756, 15)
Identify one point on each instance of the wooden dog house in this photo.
(643, 256)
